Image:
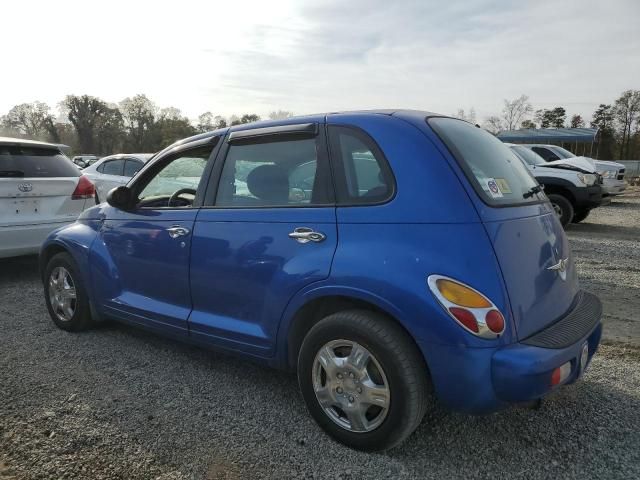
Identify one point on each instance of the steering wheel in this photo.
(174, 196)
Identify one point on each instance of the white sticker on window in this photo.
(494, 190)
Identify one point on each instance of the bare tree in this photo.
(469, 117)
(516, 110)
(493, 124)
(280, 115)
(626, 112)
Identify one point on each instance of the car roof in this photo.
(140, 156)
(312, 118)
(29, 143)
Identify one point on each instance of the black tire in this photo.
(400, 360)
(563, 208)
(81, 318)
(580, 215)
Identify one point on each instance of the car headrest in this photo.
(269, 183)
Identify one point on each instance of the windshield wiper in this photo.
(11, 173)
(533, 190)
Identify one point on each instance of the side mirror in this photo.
(120, 197)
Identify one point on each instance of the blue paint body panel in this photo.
(237, 281)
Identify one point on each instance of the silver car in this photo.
(113, 171)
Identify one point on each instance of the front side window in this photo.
(362, 173)
(499, 177)
(545, 153)
(113, 167)
(274, 173)
(177, 180)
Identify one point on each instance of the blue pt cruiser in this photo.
(388, 257)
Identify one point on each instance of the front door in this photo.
(268, 230)
(144, 253)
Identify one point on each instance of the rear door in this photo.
(528, 240)
(267, 230)
(36, 186)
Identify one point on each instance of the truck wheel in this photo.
(363, 379)
(562, 207)
(580, 215)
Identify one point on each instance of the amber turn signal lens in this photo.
(461, 295)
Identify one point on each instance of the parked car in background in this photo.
(612, 173)
(384, 256)
(40, 190)
(113, 171)
(572, 191)
(83, 161)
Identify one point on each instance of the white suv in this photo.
(40, 190)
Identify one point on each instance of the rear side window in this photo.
(33, 162)
(362, 173)
(529, 156)
(113, 167)
(132, 167)
(496, 173)
(545, 153)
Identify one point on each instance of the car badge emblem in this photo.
(561, 267)
(25, 187)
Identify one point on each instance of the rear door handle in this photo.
(176, 231)
(306, 235)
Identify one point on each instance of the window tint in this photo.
(362, 174)
(276, 173)
(17, 161)
(131, 167)
(113, 167)
(495, 172)
(562, 152)
(545, 153)
(183, 171)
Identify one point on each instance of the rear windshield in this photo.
(529, 156)
(496, 173)
(19, 161)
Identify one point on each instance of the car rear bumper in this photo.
(483, 380)
(19, 240)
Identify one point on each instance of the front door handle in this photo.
(176, 231)
(306, 235)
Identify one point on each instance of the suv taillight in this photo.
(84, 189)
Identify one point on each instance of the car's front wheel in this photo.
(580, 215)
(65, 295)
(563, 208)
(363, 379)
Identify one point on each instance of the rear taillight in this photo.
(560, 374)
(84, 189)
(472, 310)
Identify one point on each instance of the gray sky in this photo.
(312, 56)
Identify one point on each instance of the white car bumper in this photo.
(19, 240)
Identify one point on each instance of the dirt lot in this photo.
(120, 403)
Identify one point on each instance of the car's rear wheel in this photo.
(363, 379)
(65, 295)
(563, 208)
(580, 215)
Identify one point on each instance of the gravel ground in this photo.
(117, 402)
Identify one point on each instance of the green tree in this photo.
(249, 118)
(554, 118)
(171, 126)
(205, 122)
(110, 132)
(32, 120)
(280, 115)
(85, 113)
(528, 124)
(603, 121)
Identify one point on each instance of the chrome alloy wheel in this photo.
(62, 294)
(351, 386)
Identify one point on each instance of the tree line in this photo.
(90, 125)
(618, 123)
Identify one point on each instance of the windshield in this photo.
(496, 173)
(529, 156)
(563, 153)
